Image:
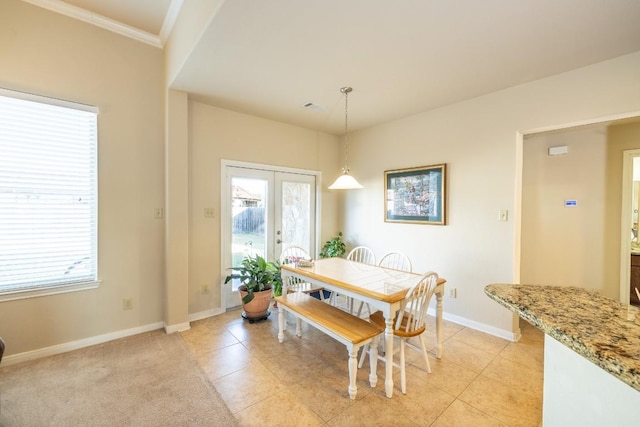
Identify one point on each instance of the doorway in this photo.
(591, 247)
(630, 241)
(265, 210)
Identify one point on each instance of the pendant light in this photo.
(345, 181)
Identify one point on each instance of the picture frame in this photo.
(416, 195)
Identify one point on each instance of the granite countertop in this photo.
(603, 330)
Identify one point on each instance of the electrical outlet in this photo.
(209, 213)
(453, 293)
(204, 289)
(158, 213)
(127, 303)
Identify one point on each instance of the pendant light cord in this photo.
(346, 91)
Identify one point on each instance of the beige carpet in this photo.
(146, 380)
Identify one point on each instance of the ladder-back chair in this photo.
(363, 255)
(410, 320)
(289, 256)
(392, 260)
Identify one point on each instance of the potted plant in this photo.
(258, 278)
(334, 247)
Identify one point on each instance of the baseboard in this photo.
(206, 313)
(99, 339)
(482, 327)
(192, 318)
(75, 345)
(178, 327)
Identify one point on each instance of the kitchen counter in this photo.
(604, 331)
(591, 353)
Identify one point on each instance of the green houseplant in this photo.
(333, 247)
(258, 278)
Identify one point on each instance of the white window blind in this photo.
(48, 193)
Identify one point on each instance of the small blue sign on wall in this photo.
(570, 203)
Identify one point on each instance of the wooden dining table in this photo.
(382, 288)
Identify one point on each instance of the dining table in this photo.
(381, 288)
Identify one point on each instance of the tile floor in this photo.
(481, 380)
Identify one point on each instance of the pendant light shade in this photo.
(345, 181)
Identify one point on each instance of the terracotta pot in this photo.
(258, 308)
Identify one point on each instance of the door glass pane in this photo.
(249, 216)
(296, 215)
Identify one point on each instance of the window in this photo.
(48, 196)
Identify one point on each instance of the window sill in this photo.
(52, 290)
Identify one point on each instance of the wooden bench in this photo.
(350, 330)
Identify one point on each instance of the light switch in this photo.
(503, 215)
(209, 213)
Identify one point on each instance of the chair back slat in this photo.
(292, 254)
(416, 303)
(363, 255)
(289, 256)
(396, 261)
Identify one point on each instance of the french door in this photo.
(265, 210)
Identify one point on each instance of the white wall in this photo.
(579, 393)
(478, 139)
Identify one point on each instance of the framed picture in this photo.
(416, 195)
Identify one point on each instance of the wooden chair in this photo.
(410, 321)
(395, 261)
(289, 256)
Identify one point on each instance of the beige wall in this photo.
(478, 139)
(189, 26)
(561, 245)
(216, 134)
(620, 138)
(177, 211)
(52, 55)
(575, 246)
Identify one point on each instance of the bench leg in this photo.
(299, 327)
(373, 361)
(281, 323)
(353, 370)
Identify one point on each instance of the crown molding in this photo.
(100, 21)
(170, 20)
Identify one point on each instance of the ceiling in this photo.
(268, 58)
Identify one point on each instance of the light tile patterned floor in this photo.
(481, 380)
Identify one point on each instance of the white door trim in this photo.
(224, 213)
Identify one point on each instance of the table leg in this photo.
(280, 323)
(285, 289)
(439, 324)
(388, 348)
